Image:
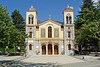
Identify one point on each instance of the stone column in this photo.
(40, 48)
(52, 49)
(59, 48)
(46, 49)
(27, 50)
(34, 46)
(65, 47)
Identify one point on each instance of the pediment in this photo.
(49, 21)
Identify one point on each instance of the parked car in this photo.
(96, 54)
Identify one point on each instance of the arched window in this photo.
(69, 47)
(30, 47)
(68, 19)
(31, 18)
(56, 33)
(43, 33)
(30, 34)
(69, 34)
(49, 32)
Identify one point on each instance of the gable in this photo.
(50, 20)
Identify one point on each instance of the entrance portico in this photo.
(50, 49)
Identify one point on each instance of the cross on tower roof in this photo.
(67, 6)
(32, 6)
(49, 16)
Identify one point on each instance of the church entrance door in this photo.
(49, 49)
(56, 49)
(43, 50)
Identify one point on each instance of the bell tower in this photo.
(31, 16)
(31, 22)
(68, 18)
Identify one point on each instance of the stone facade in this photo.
(47, 42)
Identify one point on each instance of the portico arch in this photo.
(43, 49)
(56, 49)
(49, 49)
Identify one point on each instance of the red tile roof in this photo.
(50, 19)
(31, 9)
(68, 8)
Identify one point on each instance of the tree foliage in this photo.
(18, 20)
(10, 35)
(87, 24)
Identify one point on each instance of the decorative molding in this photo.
(30, 25)
(69, 25)
(50, 23)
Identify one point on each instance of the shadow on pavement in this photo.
(11, 63)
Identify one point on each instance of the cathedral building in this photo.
(50, 37)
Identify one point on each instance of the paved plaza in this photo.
(57, 59)
(47, 61)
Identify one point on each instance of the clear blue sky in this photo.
(43, 7)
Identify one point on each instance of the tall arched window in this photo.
(30, 34)
(69, 47)
(49, 32)
(31, 18)
(68, 19)
(30, 47)
(69, 34)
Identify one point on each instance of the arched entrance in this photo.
(43, 50)
(30, 47)
(49, 49)
(56, 49)
(69, 46)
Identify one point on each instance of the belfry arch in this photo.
(68, 19)
(31, 18)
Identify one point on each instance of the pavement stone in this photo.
(47, 61)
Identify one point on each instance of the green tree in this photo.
(86, 13)
(20, 25)
(87, 24)
(10, 35)
(6, 27)
(18, 20)
(17, 38)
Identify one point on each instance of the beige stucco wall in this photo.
(45, 26)
(35, 17)
(65, 14)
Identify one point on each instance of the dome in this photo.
(31, 8)
(67, 8)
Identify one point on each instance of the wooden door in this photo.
(56, 50)
(49, 49)
(43, 50)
